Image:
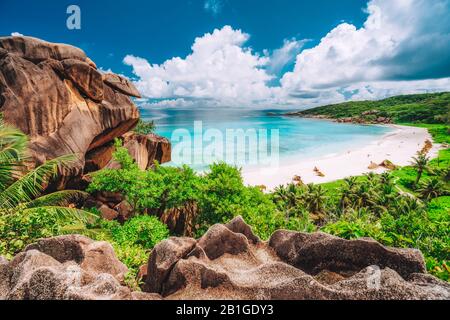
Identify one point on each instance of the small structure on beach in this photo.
(427, 147)
(388, 165)
(373, 166)
(318, 172)
(298, 180)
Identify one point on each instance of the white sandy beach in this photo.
(398, 146)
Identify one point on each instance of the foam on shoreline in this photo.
(398, 147)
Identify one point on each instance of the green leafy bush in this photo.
(25, 213)
(143, 231)
(19, 229)
(144, 127)
(132, 242)
(224, 196)
(154, 190)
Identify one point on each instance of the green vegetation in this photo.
(417, 211)
(26, 215)
(144, 127)
(220, 194)
(132, 241)
(419, 108)
(391, 208)
(408, 207)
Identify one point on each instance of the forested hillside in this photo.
(419, 108)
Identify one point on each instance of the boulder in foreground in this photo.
(230, 262)
(66, 268)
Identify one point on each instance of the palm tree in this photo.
(21, 190)
(366, 195)
(445, 174)
(315, 198)
(386, 179)
(346, 198)
(372, 179)
(404, 205)
(421, 164)
(289, 197)
(351, 182)
(430, 189)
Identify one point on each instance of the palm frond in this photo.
(31, 185)
(65, 214)
(13, 145)
(88, 232)
(60, 198)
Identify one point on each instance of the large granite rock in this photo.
(66, 268)
(55, 94)
(230, 262)
(146, 149)
(94, 256)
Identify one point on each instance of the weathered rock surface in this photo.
(90, 255)
(121, 84)
(230, 262)
(55, 94)
(108, 213)
(315, 252)
(163, 258)
(180, 221)
(69, 268)
(146, 149)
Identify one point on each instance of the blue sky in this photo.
(289, 53)
(161, 29)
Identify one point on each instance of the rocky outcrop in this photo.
(146, 149)
(180, 221)
(387, 164)
(230, 262)
(55, 94)
(94, 256)
(66, 268)
(365, 120)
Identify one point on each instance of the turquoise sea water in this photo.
(299, 138)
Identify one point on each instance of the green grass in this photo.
(439, 132)
(439, 208)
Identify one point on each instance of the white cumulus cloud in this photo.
(285, 55)
(403, 47)
(400, 40)
(219, 68)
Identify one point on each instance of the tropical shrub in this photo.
(143, 231)
(19, 229)
(144, 127)
(26, 214)
(152, 191)
(224, 196)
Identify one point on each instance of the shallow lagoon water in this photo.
(298, 138)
